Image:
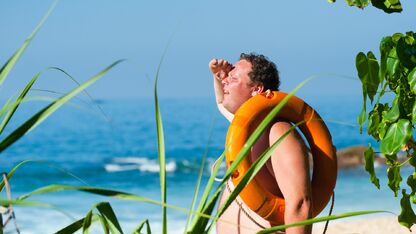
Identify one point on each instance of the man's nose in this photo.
(225, 80)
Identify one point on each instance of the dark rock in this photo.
(351, 156)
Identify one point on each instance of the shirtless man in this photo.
(286, 174)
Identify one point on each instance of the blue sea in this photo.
(114, 146)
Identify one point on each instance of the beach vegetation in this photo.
(202, 214)
(388, 6)
(391, 121)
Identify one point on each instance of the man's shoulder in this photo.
(280, 127)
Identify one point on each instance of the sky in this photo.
(304, 39)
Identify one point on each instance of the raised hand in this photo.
(220, 68)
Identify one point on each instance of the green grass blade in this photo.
(47, 111)
(320, 219)
(19, 100)
(17, 202)
(202, 221)
(86, 92)
(6, 202)
(104, 225)
(7, 67)
(69, 103)
(87, 222)
(161, 145)
(23, 93)
(107, 212)
(5, 107)
(195, 195)
(12, 171)
(198, 183)
(104, 192)
(199, 221)
(75, 226)
(138, 229)
(107, 218)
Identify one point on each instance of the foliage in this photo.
(203, 218)
(388, 6)
(9, 108)
(391, 123)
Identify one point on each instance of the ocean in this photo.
(115, 147)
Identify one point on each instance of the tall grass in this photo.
(201, 220)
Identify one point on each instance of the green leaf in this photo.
(388, 6)
(386, 45)
(396, 37)
(412, 80)
(75, 226)
(412, 160)
(16, 104)
(12, 171)
(373, 123)
(104, 225)
(391, 159)
(87, 222)
(201, 171)
(392, 64)
(368, 68)
(369, 166)
(161, 152)
(107, 212)
(407, 217)
(363, 114)
(406, 51)
(382, 129)
(358, 3)
(393, 113)
(39, 117)
(393, 173)
(138, 229)
(414, 112)
(411, 181)
(199, 222)
(396, 137)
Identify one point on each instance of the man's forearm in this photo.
(219, 93)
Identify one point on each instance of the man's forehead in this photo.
(242, 65)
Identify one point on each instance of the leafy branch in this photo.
(388, 6)
(392, 123)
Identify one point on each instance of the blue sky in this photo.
(303, 38)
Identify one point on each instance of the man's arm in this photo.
(220, 69)
(291, 170)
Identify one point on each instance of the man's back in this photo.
(288, 160)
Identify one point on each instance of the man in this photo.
(286, 174)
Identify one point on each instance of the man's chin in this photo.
(230, 108)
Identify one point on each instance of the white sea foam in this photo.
(117, 167)
(137, 163)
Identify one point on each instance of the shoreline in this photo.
(374, 225)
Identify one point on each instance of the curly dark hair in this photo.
(263, 71)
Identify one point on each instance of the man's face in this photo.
(238, 87)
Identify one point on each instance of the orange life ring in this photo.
(247, 118)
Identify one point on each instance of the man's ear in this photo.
(257, 89)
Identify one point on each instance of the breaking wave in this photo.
(143, 164)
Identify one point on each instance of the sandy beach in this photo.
(378, 225)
